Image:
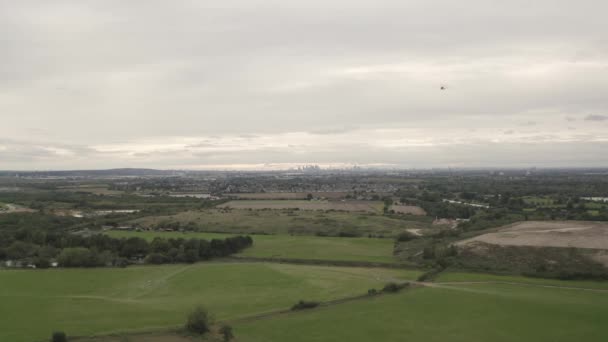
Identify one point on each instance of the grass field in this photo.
(467, 313)
(299, 222)
(484, 277)
(97, 189)
(101, 301)
(363, 206)
(295, 247)
(288, 195)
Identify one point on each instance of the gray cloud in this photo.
(594, 117)
(160, 83)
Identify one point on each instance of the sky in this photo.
(250, 84)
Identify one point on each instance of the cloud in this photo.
(158, 83)
(594, 117)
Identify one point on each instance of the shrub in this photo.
(199, 321)
(226, 332)
(406, 236)
(301, 305)
(372, 292)
(430, 275)
(394, 287)
(59, 336)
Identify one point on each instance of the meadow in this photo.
(110, 300)
(287, 195)
(300, 222)
(364, 206)
(467, 313)
(449, 277)
(294, 247)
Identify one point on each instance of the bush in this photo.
(394, 287)
(156, 258)
(199, 321)
(226, 332)
(406, 236)
(301, 305)
(430, 275)
(59, 336)
(372, 292)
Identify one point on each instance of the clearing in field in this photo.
(365, 206)
(83, 302)
(295, 247)
(458, 312)
(576, 234)
(408, 209)
(13, 208)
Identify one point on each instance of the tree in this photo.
(75, 257)
(59, 336)
(309, 197)
(21, 250)
(199, 321)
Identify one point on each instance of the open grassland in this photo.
(366, 206)
(288, 195)
(300, 222)
(295, 247)
(97, 189)
(102, 301)
(467, 313)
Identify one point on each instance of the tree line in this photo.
(42, 248)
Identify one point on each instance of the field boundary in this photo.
(321, 305)
(321, 262)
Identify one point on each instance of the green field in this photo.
(101, 301)
(295, 247)
(300, 222)
(362, 206)
(467, 313)
(483, 277)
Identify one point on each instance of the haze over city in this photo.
(275, 84)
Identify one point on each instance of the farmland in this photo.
(147, 266)
(365, 206)
(463, 312)
(297, 222)
(101, 301)
(549, 234)
(288, 195)
(296, 247)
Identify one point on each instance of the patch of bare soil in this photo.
(578, 234)
(415, 231)
(601, 257)
(13, 208)
(408, 209)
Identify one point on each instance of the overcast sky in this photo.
(271, 84)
